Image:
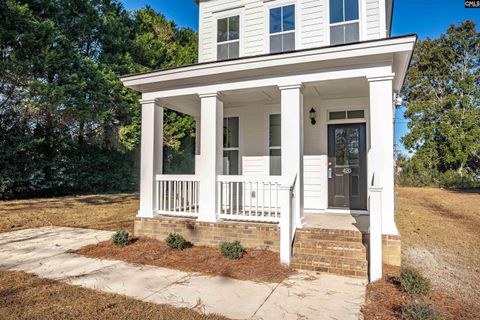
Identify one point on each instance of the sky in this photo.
(426, 18)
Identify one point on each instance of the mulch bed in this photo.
(256, 265)
(384, 299)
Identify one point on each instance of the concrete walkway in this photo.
(42, 252)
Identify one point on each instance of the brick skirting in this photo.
(251, 235)
(391, 249)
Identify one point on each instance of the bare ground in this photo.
(440, 232)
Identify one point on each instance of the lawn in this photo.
(24, 296)
(104, 212)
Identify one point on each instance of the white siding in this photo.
(315, 182)
(312, 17)
(312, 24)
(372, 20)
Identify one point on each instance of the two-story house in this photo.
(294, 103)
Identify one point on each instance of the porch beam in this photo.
(357, 71)
(210, 164)
(292, 142)
(381, 158)
(151, 162)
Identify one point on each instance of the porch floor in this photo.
(351, 222)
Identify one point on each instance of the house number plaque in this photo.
(347, 170)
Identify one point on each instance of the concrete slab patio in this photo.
(42, 252)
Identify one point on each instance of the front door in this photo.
(347, 166)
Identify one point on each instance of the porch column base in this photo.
(145, 214)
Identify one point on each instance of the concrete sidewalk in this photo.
(303, 296)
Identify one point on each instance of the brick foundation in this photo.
(391, 249)
(251, 235)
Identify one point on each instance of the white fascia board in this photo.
(185, 76)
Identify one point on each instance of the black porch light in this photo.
(313, 115)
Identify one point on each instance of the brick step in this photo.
(327, 234)
(353, 246)
(334, 253)
(337, 265)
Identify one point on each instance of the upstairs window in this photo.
(344, 22)
(228, 38)
(282, 29)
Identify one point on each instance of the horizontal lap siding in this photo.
(254, 40)
(314, 175)
(312, 19)
(372, 20)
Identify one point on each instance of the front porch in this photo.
(280, 138)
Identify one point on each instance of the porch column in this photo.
(210, 159)
(292, 142)
(380, 170)
(151, 162)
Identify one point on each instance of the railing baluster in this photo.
(238, 195)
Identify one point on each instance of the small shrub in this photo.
(120, 238)
(177, 242)
(411, 281)
(419, 310)
(232, 250)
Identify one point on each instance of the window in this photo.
(275, 145)
(351, 114)
(344, 22)
(282, 29)
(228, 38)
(230, 146)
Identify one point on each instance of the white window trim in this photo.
(278, 4)
(239, 141)
(360, 20)
(271, 113)
(347, 121)
(226, 14)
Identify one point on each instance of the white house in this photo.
(294, 106)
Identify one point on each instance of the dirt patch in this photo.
(384, 300)
(24, 296)
(104, 212)
(441, 237)
(256, 265)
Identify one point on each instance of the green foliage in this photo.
(443, 94)
(411, 281)
(120, 238)
(67, 124)
(419, 310)
(177, 242)
(232, 250)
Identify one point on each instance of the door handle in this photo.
(330, 173)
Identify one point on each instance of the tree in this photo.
(67, 124)
(443, 94)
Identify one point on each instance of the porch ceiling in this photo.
(325, 90)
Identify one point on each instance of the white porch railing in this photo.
(249, 198)
(177, 195)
